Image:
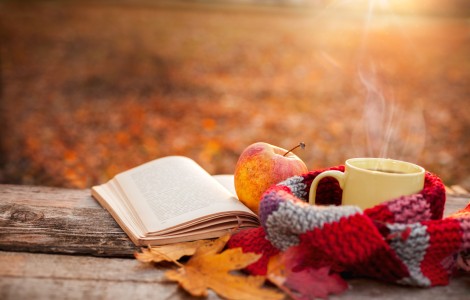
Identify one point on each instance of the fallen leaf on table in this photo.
(210, 268)
(277, 274)
(315, 283)
(171, 252)
(307, 283)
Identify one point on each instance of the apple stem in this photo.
(301, 145)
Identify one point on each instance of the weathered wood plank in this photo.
(68, 221)
(56, 220)
(43, 276)
(455, 203)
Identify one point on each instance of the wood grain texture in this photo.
(68, 221)
(43, 276)
(55, 220)
(64, 221)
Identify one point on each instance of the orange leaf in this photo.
(277, 273)
(210, 268)
(171, 252)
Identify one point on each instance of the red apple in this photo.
(260, 166)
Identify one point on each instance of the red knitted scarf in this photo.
(404, 240)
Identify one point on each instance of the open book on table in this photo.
(173, 199)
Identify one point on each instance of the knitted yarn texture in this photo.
(404, 240)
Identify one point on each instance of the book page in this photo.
(227, 181)
(108, 198)
(174, 190)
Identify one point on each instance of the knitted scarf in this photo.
(404, 240)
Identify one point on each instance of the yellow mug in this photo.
(367, 182)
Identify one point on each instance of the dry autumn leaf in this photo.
(210, 268)
(171, 252)
(315, 283)
(277, 274)
(308, 283)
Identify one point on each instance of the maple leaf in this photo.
(171, 252)
(307, 283)
(210, 268)
(315, 283)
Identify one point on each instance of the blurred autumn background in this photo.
(92, 88)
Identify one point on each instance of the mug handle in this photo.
(338, 175)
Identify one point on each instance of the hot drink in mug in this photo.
(367, 182)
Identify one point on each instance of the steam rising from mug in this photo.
(386, 129)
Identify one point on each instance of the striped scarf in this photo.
(404, 240)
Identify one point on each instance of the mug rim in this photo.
(418, 168)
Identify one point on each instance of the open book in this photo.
(173, 199)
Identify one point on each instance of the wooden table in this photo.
(60, 243)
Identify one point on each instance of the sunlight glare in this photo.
(393, 6)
